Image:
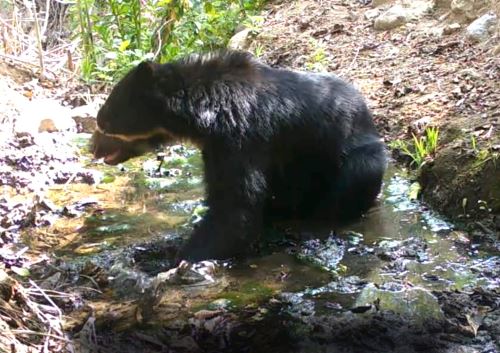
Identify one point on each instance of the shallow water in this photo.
(394, 256)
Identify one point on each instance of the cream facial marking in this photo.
(135, 137)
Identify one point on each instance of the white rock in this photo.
(371, 14)
(392, 18)
(44, 115)
(417, 303)
(482, 28)
(85, 117)
(402, 13)
(462, 5)
(85, 111)
(452, 28)
(377, 3)
(418, 8)
(468, 8)
(442, 4)
(241, 40)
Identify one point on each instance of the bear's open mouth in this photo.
(113, 158)
(159, 131)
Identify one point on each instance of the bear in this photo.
(276, 144)
(115, 151)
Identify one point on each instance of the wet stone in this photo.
(220, 304)
(354, 238)
(363, 290)
(412, 248)
(187, 274)
(298, 306)
(417, 303)
(326, 254)
(185, 206)
(153, 257)
(350, 284)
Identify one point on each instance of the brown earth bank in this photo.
(423, 73)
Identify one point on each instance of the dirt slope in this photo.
(413, 76)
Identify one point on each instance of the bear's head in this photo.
(135, 109)
(137, 114)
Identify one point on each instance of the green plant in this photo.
(421, 148)
(118, 34)
(318, 60)
(483, 154)
(431, 138)
(474, 144)
(258, 50)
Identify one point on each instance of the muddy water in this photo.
(135, 219)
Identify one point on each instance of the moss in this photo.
(450, 134)
(465, 183)
(250, 293)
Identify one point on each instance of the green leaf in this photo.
(163, 3)
(21, 271)
(124, 45)
(200, 210)
(108, 179)
(208, 7)
(414, 190)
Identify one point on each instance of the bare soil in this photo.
(412, 78)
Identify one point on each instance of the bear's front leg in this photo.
(221, 237)
(236, 188)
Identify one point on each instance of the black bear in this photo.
(276, 144)
(115, 150)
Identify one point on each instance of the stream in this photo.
(394, 281)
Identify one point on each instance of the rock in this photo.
(462, 5)
(497, 225)
(371, 14)
(84, 111)
(326, 254)
(44, 115)
(442, 4)
(220, 304)
(468, 8)
(241, 40)
(85, 124)
(377, 3)
(417, 9)
(418, 126)
(398, 15)
(459, 237)
(482, 28)
(186, 344)
(451, 28)
(417, 303)
(392, 18)
(85, 117)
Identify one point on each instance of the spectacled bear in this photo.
(276, 143)
(114, 150)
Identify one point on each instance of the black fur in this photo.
(276, 143)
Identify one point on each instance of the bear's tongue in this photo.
(111, 158)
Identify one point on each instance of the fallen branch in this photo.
(35, 333)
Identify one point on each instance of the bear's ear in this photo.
(145, 71)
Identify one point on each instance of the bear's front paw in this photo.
(200, 248)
